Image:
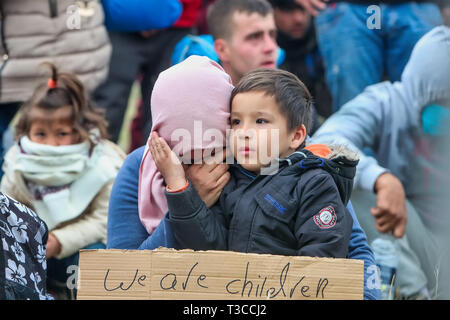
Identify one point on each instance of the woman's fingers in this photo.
(218, 170)
(160, 150)
(152, 147)
(163, 147)
(155, 147)
(159, 147)
(223, 180)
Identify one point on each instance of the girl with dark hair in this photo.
(63, 168)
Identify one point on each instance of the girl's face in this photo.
(54, 128)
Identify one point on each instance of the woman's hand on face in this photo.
(209, 179)
(167, 162)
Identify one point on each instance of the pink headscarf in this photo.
(195, 91)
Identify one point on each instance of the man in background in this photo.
(297, 37)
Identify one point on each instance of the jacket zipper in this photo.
(253, 178)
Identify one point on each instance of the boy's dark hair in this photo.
(291, 95)
(221, 12)
(63, 89)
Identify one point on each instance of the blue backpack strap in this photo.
(281, 56)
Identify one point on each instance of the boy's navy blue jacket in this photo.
(300, 210)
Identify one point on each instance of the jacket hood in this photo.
(426, 77)
(341, 163)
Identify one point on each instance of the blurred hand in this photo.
(148, 33)
(390, 213)
(53, 246)
(313, 6)
(209, 179)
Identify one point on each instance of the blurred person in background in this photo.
(65, 32)
(361, 41)
(245, 38)
(23, 267)
(297, 37)
(244, 35)
(402, 190)
(445, 9)
(242, 39)
(63, 167)
(142, 47)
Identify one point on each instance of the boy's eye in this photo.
(261, 121)
(235, 122)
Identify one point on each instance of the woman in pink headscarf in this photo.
(189, 100)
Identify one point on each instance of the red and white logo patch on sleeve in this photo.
(326, 218)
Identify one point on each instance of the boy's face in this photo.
(259, 131)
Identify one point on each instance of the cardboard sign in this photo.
(215, 275)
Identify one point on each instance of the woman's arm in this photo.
(125, 230)
(358, 248)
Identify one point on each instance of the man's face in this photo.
(252, 44)
(293, 22)
(446, 15)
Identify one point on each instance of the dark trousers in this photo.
(65, 271)
(134, 55)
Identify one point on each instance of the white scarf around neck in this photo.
(63, 180)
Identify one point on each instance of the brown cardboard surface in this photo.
(210, 275)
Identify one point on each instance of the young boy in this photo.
(298, 210)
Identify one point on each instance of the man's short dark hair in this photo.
(221, 12)
(291, 95)
(285, 5)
